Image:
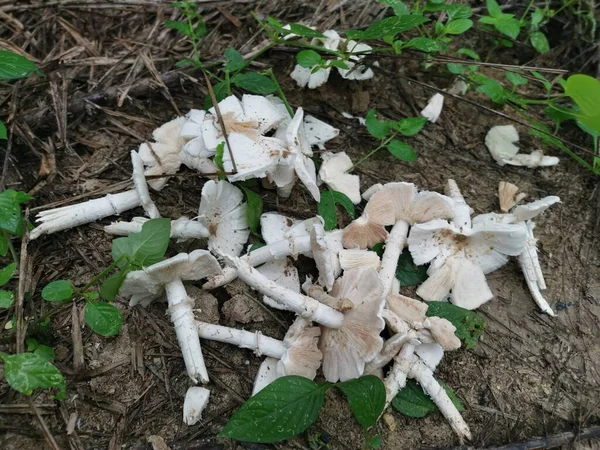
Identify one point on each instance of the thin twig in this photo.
(47, 434)
(23, 282)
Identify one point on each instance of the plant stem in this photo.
(527, 9)
(228, 82)
(372, 152)
(101, 275)
(11, 248)
(282, 96)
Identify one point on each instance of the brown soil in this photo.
(530, 375)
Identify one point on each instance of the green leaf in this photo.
(547, 85)
(493, 8)
(366, 397)
(493, 89)
(400, 8)
(539, 41)
(111, 285)
(57, 291)
(585, 91)
(103, 318)
(25, 372)
(469, 325)
(516, 79)
(31, 344)
(7, 273)
(326, 207)
(14, 66)
(375, 442)
(458, 26)
(536, 17)
(218, 159)
(459, 11)
(410, 125)
(146, 247)
(468, 52)
(375, 127)
(7, 299)
(91, 295)
(183, 28)
(255, 83)
(304, 31)
(3, 243)
(413, 402)
(426, 45)
(308, 58)
(45, 352)
(390, 26)
(487, 20)
(283, 409)
(339, 64)
(456, 69)
(402, 150)
(407, 272)
(10, 211)
(508, 25)
(235, 61)
(254, 210)
(3, 133)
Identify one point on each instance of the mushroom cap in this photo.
(318, 132)
(284, 273)
(368, 229)
(253, 158)
(304, 76)
(357, 341)
(371, 190)
(530, 210)
(355, 258)
(333, 174)
(298, 145)
(148, 283)
(408, 309)
(139, 182)
(443, 332)
(500, 143)
(275, 226)
(267, 373)
(434, 108)
(413, 207)
(507, 195)
(303, 356)
(361, 72)
(259, 108)
(431, 354)
(195, 154)
(196, 399)
(224, 214)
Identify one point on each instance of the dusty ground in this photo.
(529, 376)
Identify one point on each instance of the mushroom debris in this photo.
(342, 312)
(500, 141)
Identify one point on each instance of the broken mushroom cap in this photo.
(354, 72)
(430, 354)
(325, 253)
(303, 356)
(500, 141)
(333, 174)
(266, 374)
(369, 228)
(163, 157)
(224, 214)
(148, 284)
(196, 399)
(195, 154)
(508, 196)
(443, 332)
(346, 350)
(530, 210)
(298, 145)
(304, 76)
(434, 108)
(408, 309)
(355, 258)
(413, 207)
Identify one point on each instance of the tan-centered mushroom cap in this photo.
(303, 356)
(149, 283)
(347, 349)
(369, 229)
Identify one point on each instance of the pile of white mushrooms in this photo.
(344, 314)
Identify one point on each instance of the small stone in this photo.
(205, 304)
(389, 421)
(242, 309)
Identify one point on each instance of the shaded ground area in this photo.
(113, 67)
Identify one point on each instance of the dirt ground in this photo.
(530, 375)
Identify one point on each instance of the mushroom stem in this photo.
(339, 304)
(66, 217)
(530, 265)
(390, 349)
(462, 211)
(396, 379)
(394, 244)
(182, 316)
(262, 345)
(304, 306)
(424, 376)
(182, 228)
(276, 250)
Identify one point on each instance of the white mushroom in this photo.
(355, 258)
(354, 71)
(66, 217)
(460, 259)
(462, 212)
(222, 218)
(298, 145)
(266, 374)
(167, 277)
(509, 196)
(347, 349)
(195, 154)
(302, 305)
(434, 108)
(196, 399)
(333, 174)
(304, 76)
(500, 141)
(283, 272)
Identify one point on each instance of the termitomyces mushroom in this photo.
(333, 173)
(150, 283)
(434, 108)
(460, 260)
(347, 349)
(196, 399)
(195, 153)
(500, 141)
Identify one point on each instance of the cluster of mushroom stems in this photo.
(352, 320)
